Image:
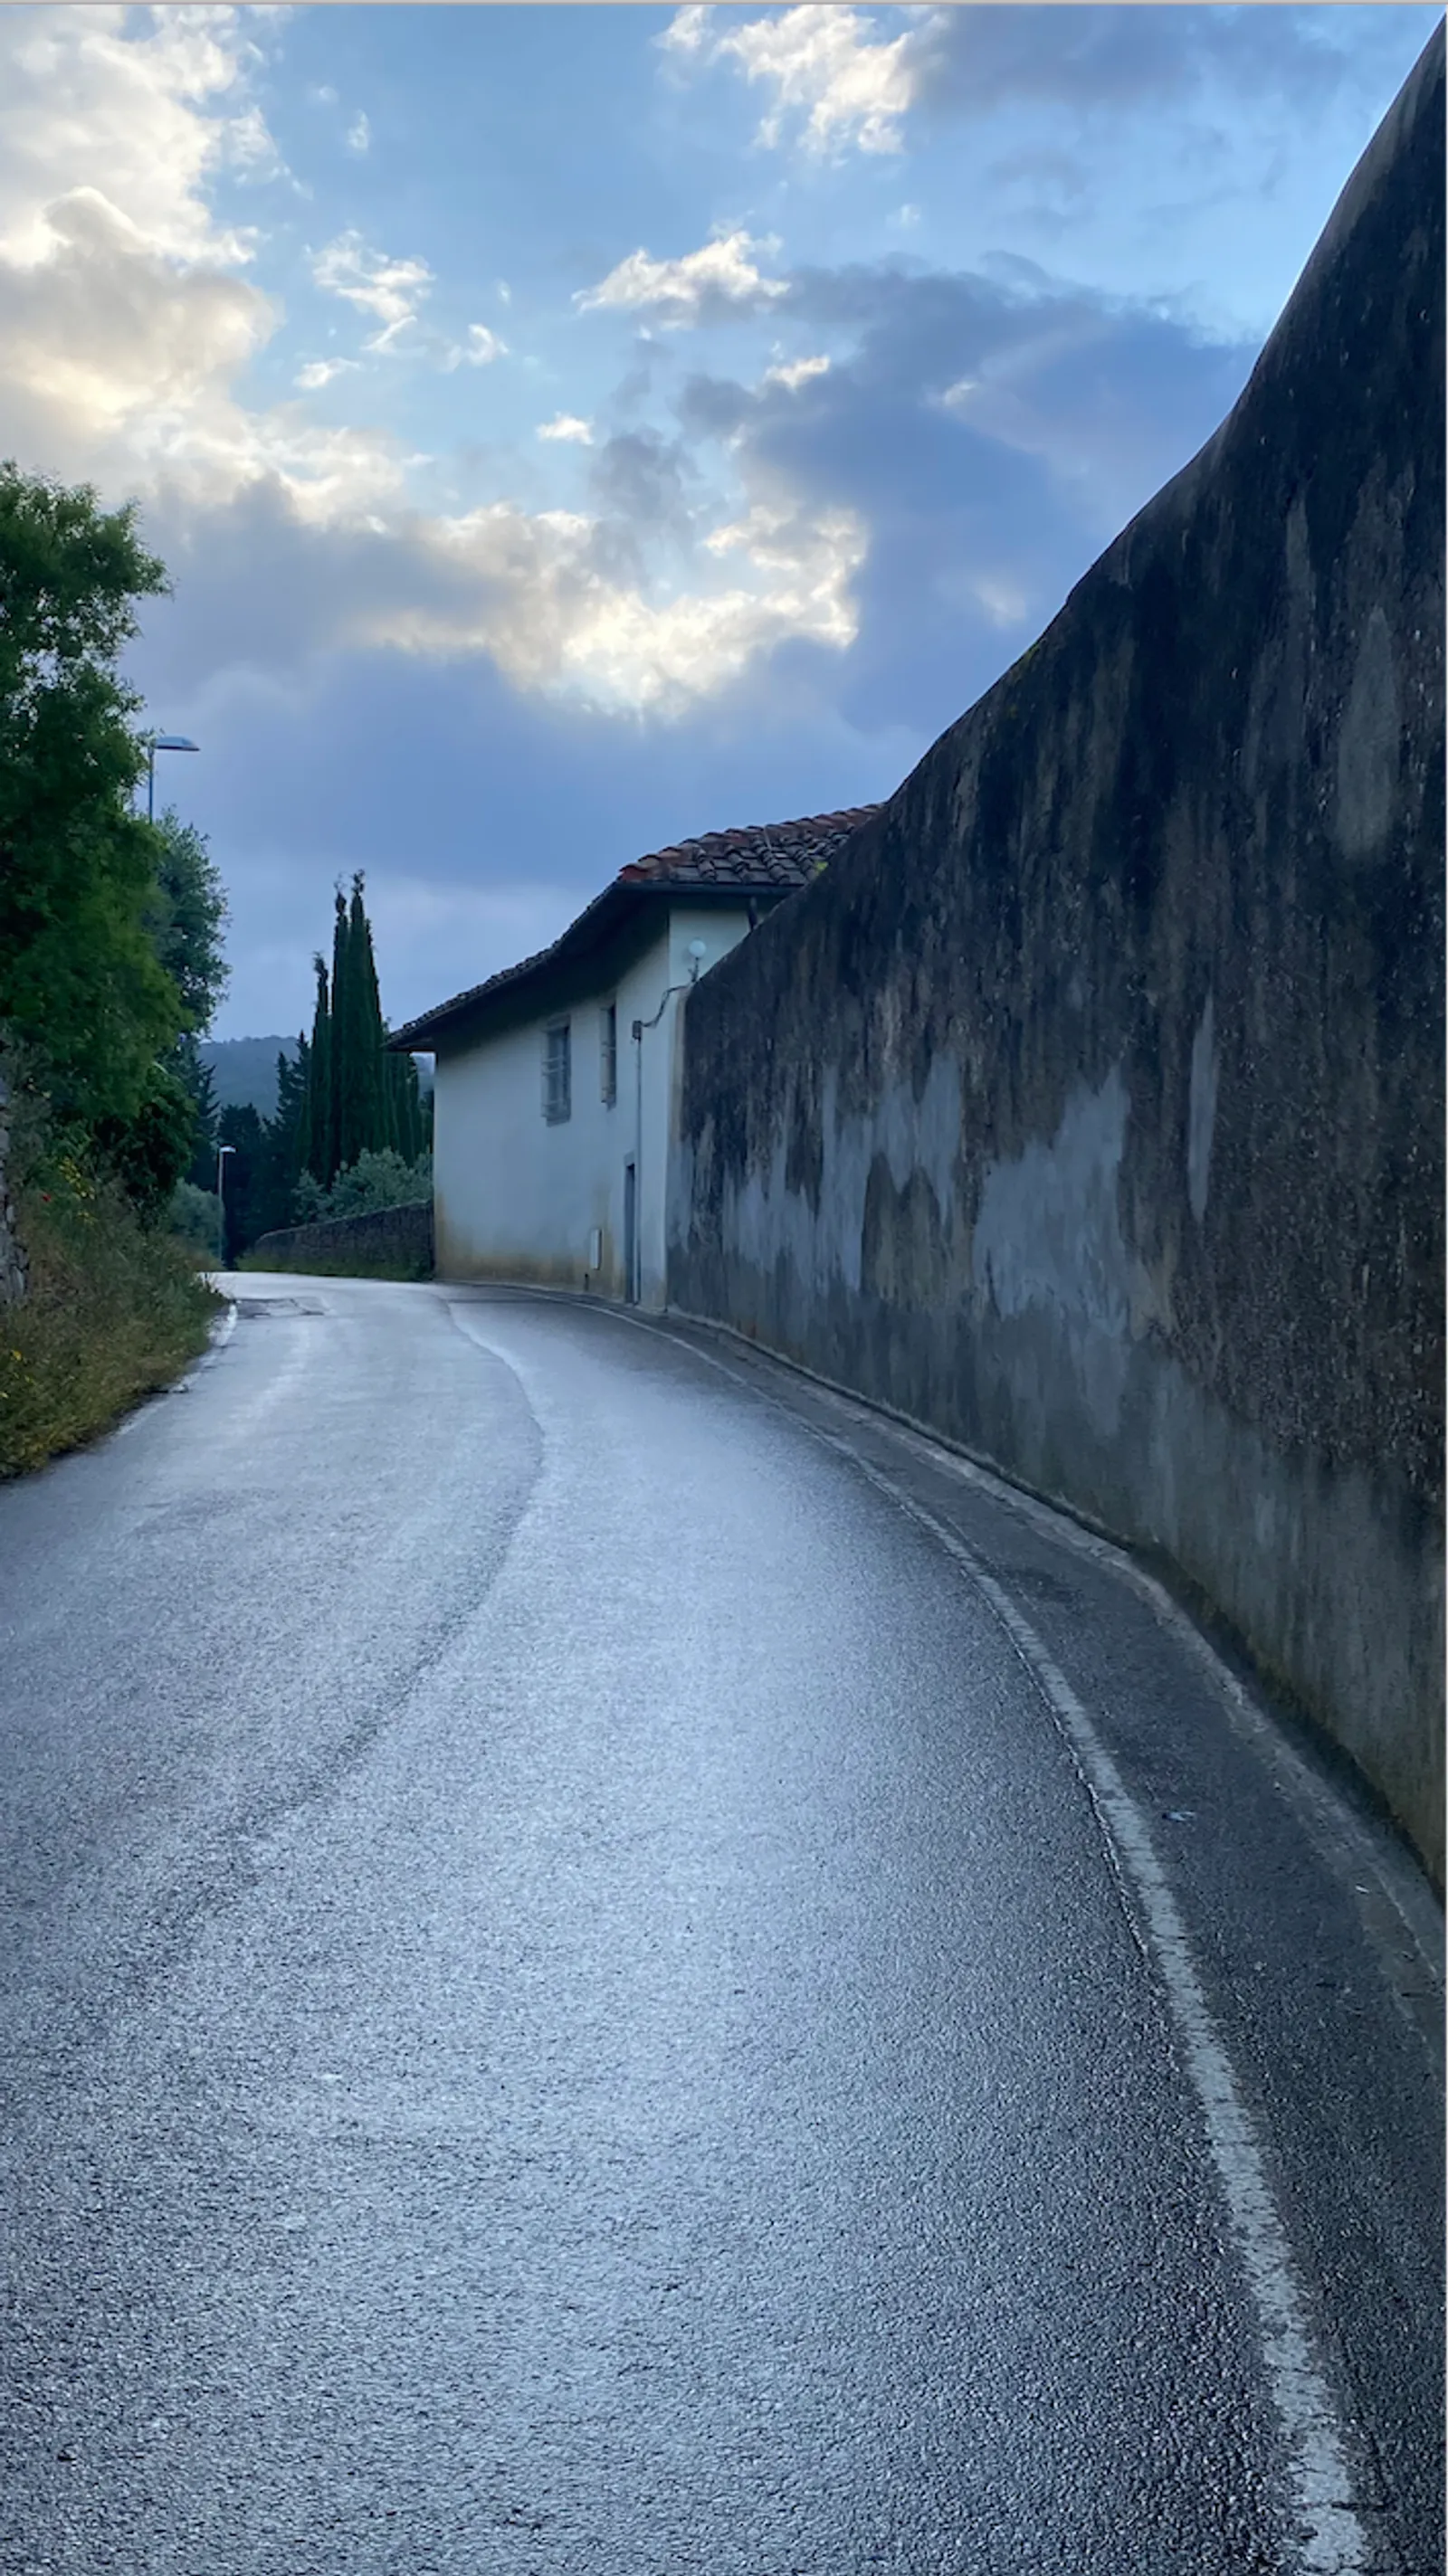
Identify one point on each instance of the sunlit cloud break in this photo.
(797, 372)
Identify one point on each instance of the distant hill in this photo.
(244, 1071)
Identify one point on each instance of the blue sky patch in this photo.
(572, 429)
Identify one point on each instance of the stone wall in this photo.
(397, 1238)
(1090, 1109)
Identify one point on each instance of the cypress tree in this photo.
(281, 1166)
(396, 1100)
(342, 1145)
(406, 1106)
(314, 1143)
(293, 1080)
(372, 1093)
(351, 1096)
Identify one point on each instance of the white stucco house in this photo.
(554, 1079)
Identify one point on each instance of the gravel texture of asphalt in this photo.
(616, 1966)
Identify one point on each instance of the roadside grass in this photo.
(114, 1311)
(335, 1265)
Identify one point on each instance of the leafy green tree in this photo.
(194, 1216)
(186, 916)
(185, 920)
(200, 1081)
(80, 978)
(284, 1132)
(279, 1168)
(149, 1150)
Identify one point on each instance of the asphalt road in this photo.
(616, 1969)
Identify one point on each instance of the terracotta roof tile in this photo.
(759, 856)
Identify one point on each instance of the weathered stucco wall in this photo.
(520, 1198)
(1090, 1108)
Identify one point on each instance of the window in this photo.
(557, 1074)
(608, 1054)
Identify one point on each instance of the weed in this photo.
(115, 1309)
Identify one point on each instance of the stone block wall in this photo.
(399, 1237)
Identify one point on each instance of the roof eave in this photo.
(598, 921)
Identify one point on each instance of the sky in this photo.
(570, 429)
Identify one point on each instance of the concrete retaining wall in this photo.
(398, 1237)
(1090, 1108)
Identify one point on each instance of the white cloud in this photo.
(482, 346)
(720, 277)
(250, 149)
(568, 427)
(797, 372)
(321, 371)
(688, 32)
(103, 334)
(134, 122)
(390, 289)
(535, 599)
(824, 65)
(125, 317)
(359, 132)
(128, 324)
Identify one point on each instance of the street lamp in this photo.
(162, 742)
(221, 1153)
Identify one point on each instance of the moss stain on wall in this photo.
(1091, 1106)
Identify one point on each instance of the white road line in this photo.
(1332, 2540)
(1409, 1946)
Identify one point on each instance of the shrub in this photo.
(194, 1218)
(374, 1182)
(115, 1309)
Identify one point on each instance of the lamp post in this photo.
(162, 742)
(221, 1153)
